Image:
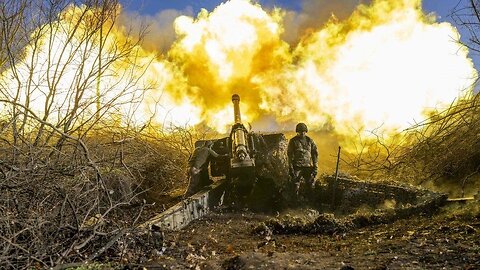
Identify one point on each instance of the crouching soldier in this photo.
(198, 167)
(302, 158)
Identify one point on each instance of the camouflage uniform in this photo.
(198, 168)
(302, 159)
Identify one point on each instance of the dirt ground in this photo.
(449, 239)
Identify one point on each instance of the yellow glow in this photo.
(384, 66)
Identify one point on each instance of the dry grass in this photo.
(83, 199)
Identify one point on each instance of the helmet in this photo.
(301, 127)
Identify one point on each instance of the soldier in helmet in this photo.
(302, 158)
(198, 167)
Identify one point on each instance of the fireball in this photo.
(382, 68)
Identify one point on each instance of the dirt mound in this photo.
(225, 241)
(374, 196)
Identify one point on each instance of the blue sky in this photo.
(441, 7)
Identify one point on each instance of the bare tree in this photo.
(466, 15)
(69, 78)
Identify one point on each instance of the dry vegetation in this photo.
(78, 203)
(443, 148)
(74, 179)
(446, 146)
(73, 185)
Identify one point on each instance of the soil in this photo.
(448, 239)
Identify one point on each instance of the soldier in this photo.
(302, 158)
(198, 167)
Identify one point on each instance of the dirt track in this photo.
(226, 241)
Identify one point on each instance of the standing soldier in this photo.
(198, 167)
(302, 158)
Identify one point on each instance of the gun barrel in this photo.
(241, 152)
(236, 109)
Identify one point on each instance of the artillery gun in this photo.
(255, 161)
(255, 175)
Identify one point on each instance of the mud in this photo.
(227, 240)
(394, 227)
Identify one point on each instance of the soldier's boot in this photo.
(313, 184)
(297, 188)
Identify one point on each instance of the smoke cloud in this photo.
(375, 65)
(314, 14)
(159, 34)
